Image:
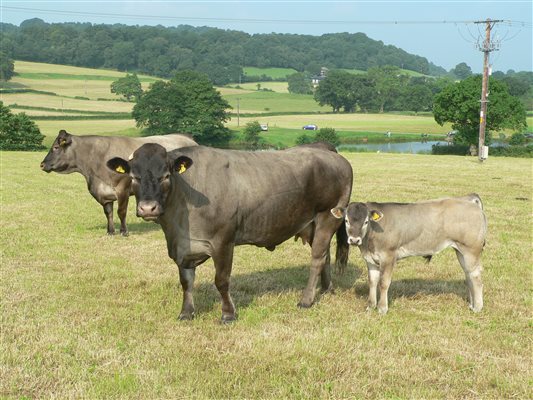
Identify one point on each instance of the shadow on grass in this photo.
(248, 286)
(133, 228)
(409, 288)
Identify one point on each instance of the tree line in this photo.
(221, 54)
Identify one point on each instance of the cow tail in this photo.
(343, 248)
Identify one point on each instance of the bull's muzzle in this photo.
(45, 167)
(149, 210)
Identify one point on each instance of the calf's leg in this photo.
(384, 283)
(187, 276)
(471, 264)
(373, 280)
(108, 211)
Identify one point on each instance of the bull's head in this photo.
(58, 158)
(357, 218)
(150, 169)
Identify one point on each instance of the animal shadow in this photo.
(248, 286)
(409, 288)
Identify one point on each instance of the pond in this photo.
(401, 147)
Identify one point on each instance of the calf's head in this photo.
(150, 169)
(60, 157)
(357, 218)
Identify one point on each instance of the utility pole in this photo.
(486, 47)
(238, 112)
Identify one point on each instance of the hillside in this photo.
(222, 54)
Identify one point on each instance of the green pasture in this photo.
(85, 315)
(280, 87)
(274, 73)
(261, 102)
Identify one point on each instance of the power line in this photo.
(248, 20)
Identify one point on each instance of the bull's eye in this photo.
(164, 178)
(56, 148)
(366, 223)
(136, 179)
(347, 222)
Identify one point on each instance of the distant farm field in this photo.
(85, 315)
(274, 73)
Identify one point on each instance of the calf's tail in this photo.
(343, 248)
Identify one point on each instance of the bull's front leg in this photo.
(108, 211)
(384, 284)
(122, 202)
(187, 276)
(373, 280)
(223, 260)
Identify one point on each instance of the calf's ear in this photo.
(64, 138)
(119, 165)
(375, 215)
(181, 164)
(338, 212)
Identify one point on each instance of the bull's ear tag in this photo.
(182, 167)
(376, 215)
(62, 142)
(120, 169)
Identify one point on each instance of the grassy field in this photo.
(90, 316)
(274, 73)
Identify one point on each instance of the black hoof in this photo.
(125, 234)
(111, 233)
(228, 319)
(186, 317)
(304, 305)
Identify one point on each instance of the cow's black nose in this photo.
(42, 165)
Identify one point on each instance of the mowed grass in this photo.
(90, 316)
(274, 73)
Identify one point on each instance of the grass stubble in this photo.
(90, 316)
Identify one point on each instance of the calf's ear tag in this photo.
(182, 168)
(62, 142)
(375, 216)
(120, 169)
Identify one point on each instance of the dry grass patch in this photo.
(90, 316)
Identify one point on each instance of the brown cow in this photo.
(388, 232)
(85, 154)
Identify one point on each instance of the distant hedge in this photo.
(496, 151)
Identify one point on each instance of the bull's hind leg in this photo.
(223, 260)
(326, 226)
(187, 276)
(471, 264)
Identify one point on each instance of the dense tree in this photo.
(129, 87)
(164, 51)
(461, 71)
(7, 67)
(300, 83)
(334, 91)
(251, 135)
(417, 98)
(18, 132)
(328, 135)
(459, 104)
(188, 103)
(388, 81)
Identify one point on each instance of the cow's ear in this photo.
(64, 138)
(119, 165)
(375, 215)
(181, 164)
(338, 212)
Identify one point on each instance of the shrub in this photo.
(327, 135)
(251, 135)
(517, 139)
(18, 132)
(304, 139)
(455, 149)
(512, 151)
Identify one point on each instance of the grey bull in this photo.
(209, 200)
(388, 232)
(86, 154)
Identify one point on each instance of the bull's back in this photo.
(268, 196)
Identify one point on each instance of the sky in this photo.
(442, 31)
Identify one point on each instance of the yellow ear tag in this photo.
(63, 142)
(375, 216)
(182, 168)
(120, 169)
